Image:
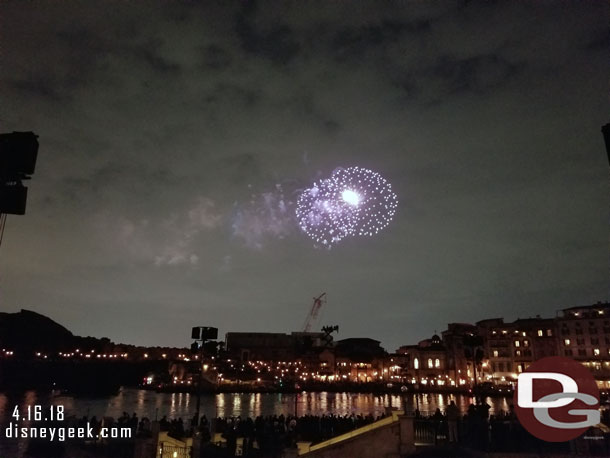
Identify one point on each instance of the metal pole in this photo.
(606, 132)
(474, 366)
(197, 410)
(2, 226)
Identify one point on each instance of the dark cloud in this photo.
(175, 140)
(38, 88)
(149, 53)
(599, 42)
(215, 58)
(475, 74)
(278, 43)
(354, 42)
(232, 94)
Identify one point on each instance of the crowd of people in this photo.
(279, 431)
(450, 426)
(500, 432)
(474, 428)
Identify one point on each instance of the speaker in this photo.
(18, 153)
(13, 199)
(209, 333)
(196, 333)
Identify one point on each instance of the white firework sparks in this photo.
(353, 201)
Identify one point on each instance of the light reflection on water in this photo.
(155, 405)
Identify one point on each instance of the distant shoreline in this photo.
(340, 388)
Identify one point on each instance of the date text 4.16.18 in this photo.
(39, 413)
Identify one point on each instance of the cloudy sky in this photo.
(176, 137)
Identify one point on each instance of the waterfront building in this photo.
(492, 351)
(460, 365)
(584, 334)
(426, 363)
(271, 346)
(359, 360)
(511, 347)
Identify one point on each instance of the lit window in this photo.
(566, 342)
(437, 362)
(519, 368)
(523, 334)
(496, 353)
(540, 333)
(549, 332)
(517, 343)
(596, 351)
(430, 363)
(416, 363)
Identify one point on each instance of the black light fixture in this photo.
(204, 333)
(18, 153)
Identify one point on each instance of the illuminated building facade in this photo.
(360, 360)
(425, 363)
(270, 346)
(584, 334)
(492, 350)
(460, 365)
(511, 347)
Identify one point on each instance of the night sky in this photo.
(176, 137)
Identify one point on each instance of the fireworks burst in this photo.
(353, 201)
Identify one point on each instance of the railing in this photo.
(356, 432)
(428, 432)
(167, 450)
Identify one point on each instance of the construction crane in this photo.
(313, 313)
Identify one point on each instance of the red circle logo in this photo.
(557, 399)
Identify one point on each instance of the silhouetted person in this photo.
(453, 415)
(481, 416)
(437, 418)
(164, 424)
